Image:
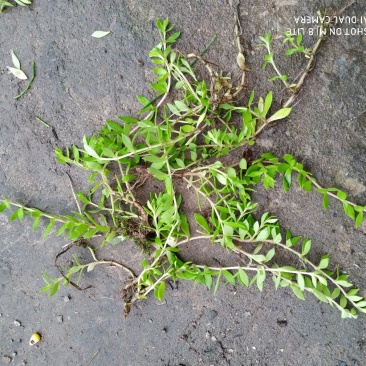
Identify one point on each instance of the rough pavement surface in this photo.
(80, 82)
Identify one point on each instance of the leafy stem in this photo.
(311, 55)
(182, 139)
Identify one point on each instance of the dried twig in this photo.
(73, 193)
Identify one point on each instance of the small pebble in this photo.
(16, 323)
(247, 313)
(14, 354)
(230, 350)
(150, 321)
(60, 318)
(6, 359)
(67, 298)
(254, 348)
(213, 339)
(212, 314)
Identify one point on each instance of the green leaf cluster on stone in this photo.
(181, 138)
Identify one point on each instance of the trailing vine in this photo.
(183, 141)
(10, 4)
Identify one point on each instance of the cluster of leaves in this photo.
(182, 141)
(269, 60)
(20, 74)
(268, 166)
(296, 44)
(4, 3)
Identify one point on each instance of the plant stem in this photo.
(305, 260)
(46, 124)
(212, 204)
(30, 81)
(73, 193)
(317, 185)
(148, 148)
(308, 67)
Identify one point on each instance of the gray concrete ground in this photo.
(80, 82)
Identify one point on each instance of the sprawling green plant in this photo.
(4, 3)
(181, 139)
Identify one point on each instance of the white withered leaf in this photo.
(15, 59)
(17, 73)
(100, 34)
(240, 59)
